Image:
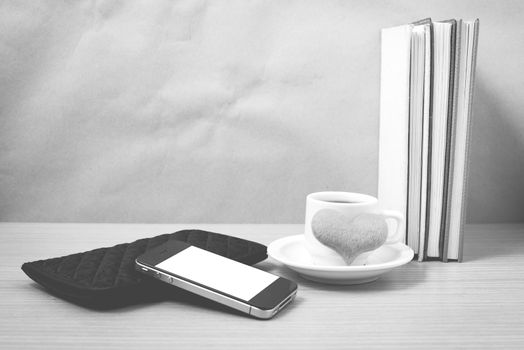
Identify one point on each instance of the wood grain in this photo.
(475, 304)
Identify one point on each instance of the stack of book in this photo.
(427, 76)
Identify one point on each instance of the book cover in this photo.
(394, 118)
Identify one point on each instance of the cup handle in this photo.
(398, 236)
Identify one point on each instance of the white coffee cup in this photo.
(349, 204)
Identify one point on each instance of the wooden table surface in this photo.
(475, 304)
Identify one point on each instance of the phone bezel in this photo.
(264, 305)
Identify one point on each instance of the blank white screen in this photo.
(217, 272)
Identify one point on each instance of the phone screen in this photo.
(228, 276)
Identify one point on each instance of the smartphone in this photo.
(239, 286)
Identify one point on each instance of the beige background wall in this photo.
(226, 111)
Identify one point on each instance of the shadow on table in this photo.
(490, 242)
(400, 278)
(491, 252)
(193, 300)
(176, 297)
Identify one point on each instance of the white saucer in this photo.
(291, 252)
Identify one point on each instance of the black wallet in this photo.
(106, 278)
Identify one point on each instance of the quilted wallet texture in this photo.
(106, 278)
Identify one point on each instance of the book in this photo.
(427, 78)
(439, 131)
(426, 154)
(452, 106)
(419, 85)
(459, 169)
